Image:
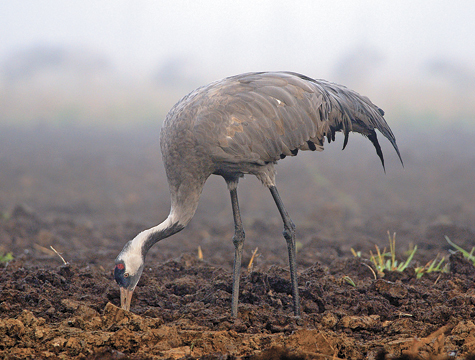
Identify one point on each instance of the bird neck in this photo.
(185, 192)
(147, 238)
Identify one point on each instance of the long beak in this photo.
(125, 298)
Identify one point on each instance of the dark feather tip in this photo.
(345, 142)
(374, 139)
(311, 145)
(398, 154)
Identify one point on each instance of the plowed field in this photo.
(85, 192)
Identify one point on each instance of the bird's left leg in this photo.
(289, 235)
(238, 240)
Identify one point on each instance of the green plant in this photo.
(298, 246)
(356, 253)
(5, 258)
(431, 266)
(349, 280)
(386, 261)
(467, 255)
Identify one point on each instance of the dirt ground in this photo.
(88, 191)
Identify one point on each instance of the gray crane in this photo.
(242, 125)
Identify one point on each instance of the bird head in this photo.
(128, 269)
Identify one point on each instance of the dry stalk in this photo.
(43, 249)
(57, 253)
(369, 267)
(249, 267)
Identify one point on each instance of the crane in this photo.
(240, 125)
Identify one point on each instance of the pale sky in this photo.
(229, 37)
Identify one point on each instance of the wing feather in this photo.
(263, 117)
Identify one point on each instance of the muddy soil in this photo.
(85, 192)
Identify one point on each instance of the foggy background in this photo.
(84, 87)
(123, 62)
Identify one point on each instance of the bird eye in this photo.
(126, 275)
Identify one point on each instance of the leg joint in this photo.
(289, 231)
(238, 238)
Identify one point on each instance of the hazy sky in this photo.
(236, 36)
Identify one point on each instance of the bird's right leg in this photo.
(289, 235)
(238, 240)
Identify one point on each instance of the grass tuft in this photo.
(432, 266)
(467, 255)
(386, 260)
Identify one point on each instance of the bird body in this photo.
(242, 125)
(245, 122)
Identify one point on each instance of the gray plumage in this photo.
(244, 124)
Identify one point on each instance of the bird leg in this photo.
(238, 241)
(289, 235)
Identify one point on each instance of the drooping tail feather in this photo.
(363, 115)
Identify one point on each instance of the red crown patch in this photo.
(120, 266)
